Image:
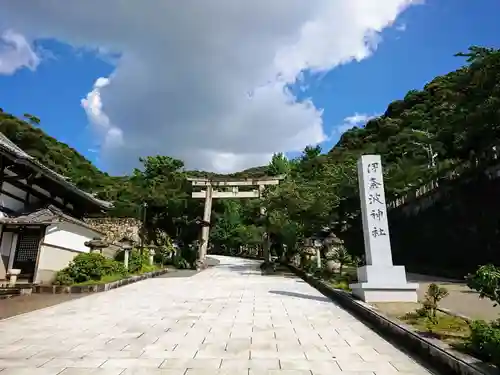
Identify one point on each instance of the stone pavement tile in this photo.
(152, 371)
(264, 326)
(238, 342)
(254, 364)
(133, 362)
(75, 362)
(302, 364)
(315, 354)
(280, 372)
(109, 354)
(340, 372)
(31, 371)
(10, 363)
(91, 371)
(23, 353)
(193, 371)
(223, 354)
(5, 349)
(210, 346)
(289, 345)
(264, 354)
(241, 334)
(349, 365)
(270, 346)
(54, 353)
(407, 366)
(89, 346)
(209, 364)
(159, 346)
(168, 354)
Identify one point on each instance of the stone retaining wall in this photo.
(115, 229)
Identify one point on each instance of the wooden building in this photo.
(41, 212)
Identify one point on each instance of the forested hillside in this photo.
(453, 121)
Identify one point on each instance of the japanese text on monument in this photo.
(376, 205)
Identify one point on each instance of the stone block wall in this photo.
(116, 229)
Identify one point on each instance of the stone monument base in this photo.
(384, 284)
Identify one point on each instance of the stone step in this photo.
(7, 292)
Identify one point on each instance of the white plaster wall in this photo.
(6, 253)
(6, 243)
(52, 259)
(3, 260)
(62, 242)
(69, 236)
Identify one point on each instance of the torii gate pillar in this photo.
(205, 229)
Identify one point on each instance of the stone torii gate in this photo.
(227, 189)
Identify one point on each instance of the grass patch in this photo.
(104, 280)
(450, 329)
(340, 281)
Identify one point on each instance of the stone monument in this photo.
(379, 280)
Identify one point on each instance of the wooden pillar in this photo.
(205, 230)
(265, 237)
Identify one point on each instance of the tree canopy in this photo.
(453, 121)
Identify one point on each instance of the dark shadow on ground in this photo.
(212, 262)
(178, 273)
(300, 295)
(173, 272)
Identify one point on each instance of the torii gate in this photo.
(211, 191)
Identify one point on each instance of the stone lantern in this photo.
(152, 251)
(317, 244)
(333, 243)
(96, 245)
(127, 246)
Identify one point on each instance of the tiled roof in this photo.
(48, 215)
(21, 155)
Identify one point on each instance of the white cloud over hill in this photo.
(204, 81)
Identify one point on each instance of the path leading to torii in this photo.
(225, 320)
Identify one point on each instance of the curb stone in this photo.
(58, 289)
(429, 351)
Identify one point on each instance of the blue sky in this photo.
(419, 47)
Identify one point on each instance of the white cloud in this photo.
(401, 27)
(358, 119)
(206, 81)
(92, 104)
(16, 53)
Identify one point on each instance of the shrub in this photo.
(342, 257)
(112, 267)
(88, 266)
(486, 281)
(163, 255)
(433, 296)
(136, 260)
(62, 278)
(484, 341)
(181, 263)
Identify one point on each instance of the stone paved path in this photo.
(226, 320)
